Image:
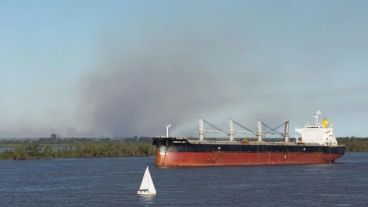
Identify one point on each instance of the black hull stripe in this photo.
(184, 146)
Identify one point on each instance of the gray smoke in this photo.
(138, 91)
(139, 86)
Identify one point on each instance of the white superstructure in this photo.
(320, 133)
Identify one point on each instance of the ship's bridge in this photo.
(319, 133)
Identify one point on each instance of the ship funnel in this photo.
(167, 130)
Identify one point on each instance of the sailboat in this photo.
(147, 187)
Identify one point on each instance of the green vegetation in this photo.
(354, 144)
(48, 148)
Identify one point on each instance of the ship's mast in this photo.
(167, 130)
(202, 131)
(259, 131)
(286, 132)
(316, 115)
(274, 130)
(232, 131)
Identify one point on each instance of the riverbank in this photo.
(52, 148)
(354, 144)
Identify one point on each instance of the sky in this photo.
(127, 68)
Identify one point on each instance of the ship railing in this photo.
(251, 143)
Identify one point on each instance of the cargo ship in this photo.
(315, 145)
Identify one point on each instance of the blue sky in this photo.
(64, 63)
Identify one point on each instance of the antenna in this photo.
(316, 115)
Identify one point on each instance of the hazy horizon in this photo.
(127, 68)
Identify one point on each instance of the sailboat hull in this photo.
(145, 192)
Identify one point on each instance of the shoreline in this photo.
(62, 148)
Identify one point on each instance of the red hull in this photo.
(196, 159)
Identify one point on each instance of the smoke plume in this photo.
(139, 90)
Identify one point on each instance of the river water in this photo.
(114, 182)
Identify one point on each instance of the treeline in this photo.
(354, 144)
(49, 148)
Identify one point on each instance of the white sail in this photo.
(147, 186)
